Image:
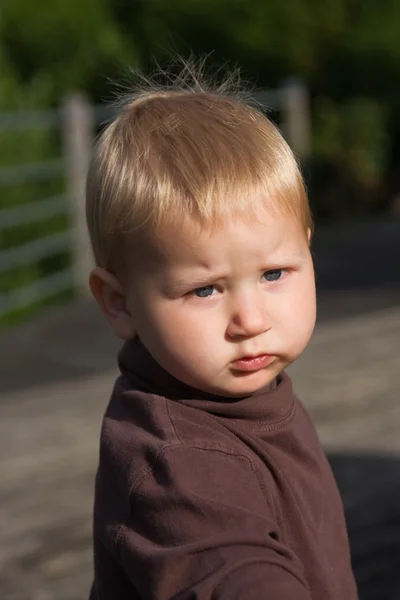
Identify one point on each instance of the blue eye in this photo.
(273, 275)
(204, 292)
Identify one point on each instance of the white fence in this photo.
(78, 120)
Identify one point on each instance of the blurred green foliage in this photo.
(348, 51)
(350, 156)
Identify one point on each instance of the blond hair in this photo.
(182, 151)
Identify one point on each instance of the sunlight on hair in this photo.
(185, 147)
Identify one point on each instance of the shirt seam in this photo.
(276, 423)
(134, 488)
(172, 421)
(270, 425)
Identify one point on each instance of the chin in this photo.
(242, 387)
(240, 384)
(249, 383)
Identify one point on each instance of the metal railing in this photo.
(35, 212)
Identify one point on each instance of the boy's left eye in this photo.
(273, 275)
(204, 292)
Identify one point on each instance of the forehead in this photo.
(261, 236)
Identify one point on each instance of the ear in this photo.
(309, 232)
(109, 295)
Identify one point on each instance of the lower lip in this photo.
(253, 364)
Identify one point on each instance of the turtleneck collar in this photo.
(272, 403)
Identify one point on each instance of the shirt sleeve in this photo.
(200, 528)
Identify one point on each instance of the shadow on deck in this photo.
(370, 488)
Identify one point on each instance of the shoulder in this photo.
(141, 429)
(145, 436)
(135, 428)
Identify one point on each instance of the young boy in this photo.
(212, 483)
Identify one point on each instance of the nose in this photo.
(248, 316)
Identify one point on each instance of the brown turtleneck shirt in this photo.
(200, 497)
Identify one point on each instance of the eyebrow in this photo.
(192, 282)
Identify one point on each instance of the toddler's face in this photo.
(226, 311)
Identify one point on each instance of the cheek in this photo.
(298, 312)
(170, 325)
(306, 311)
(180, 341)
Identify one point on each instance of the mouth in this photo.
(252, 363)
